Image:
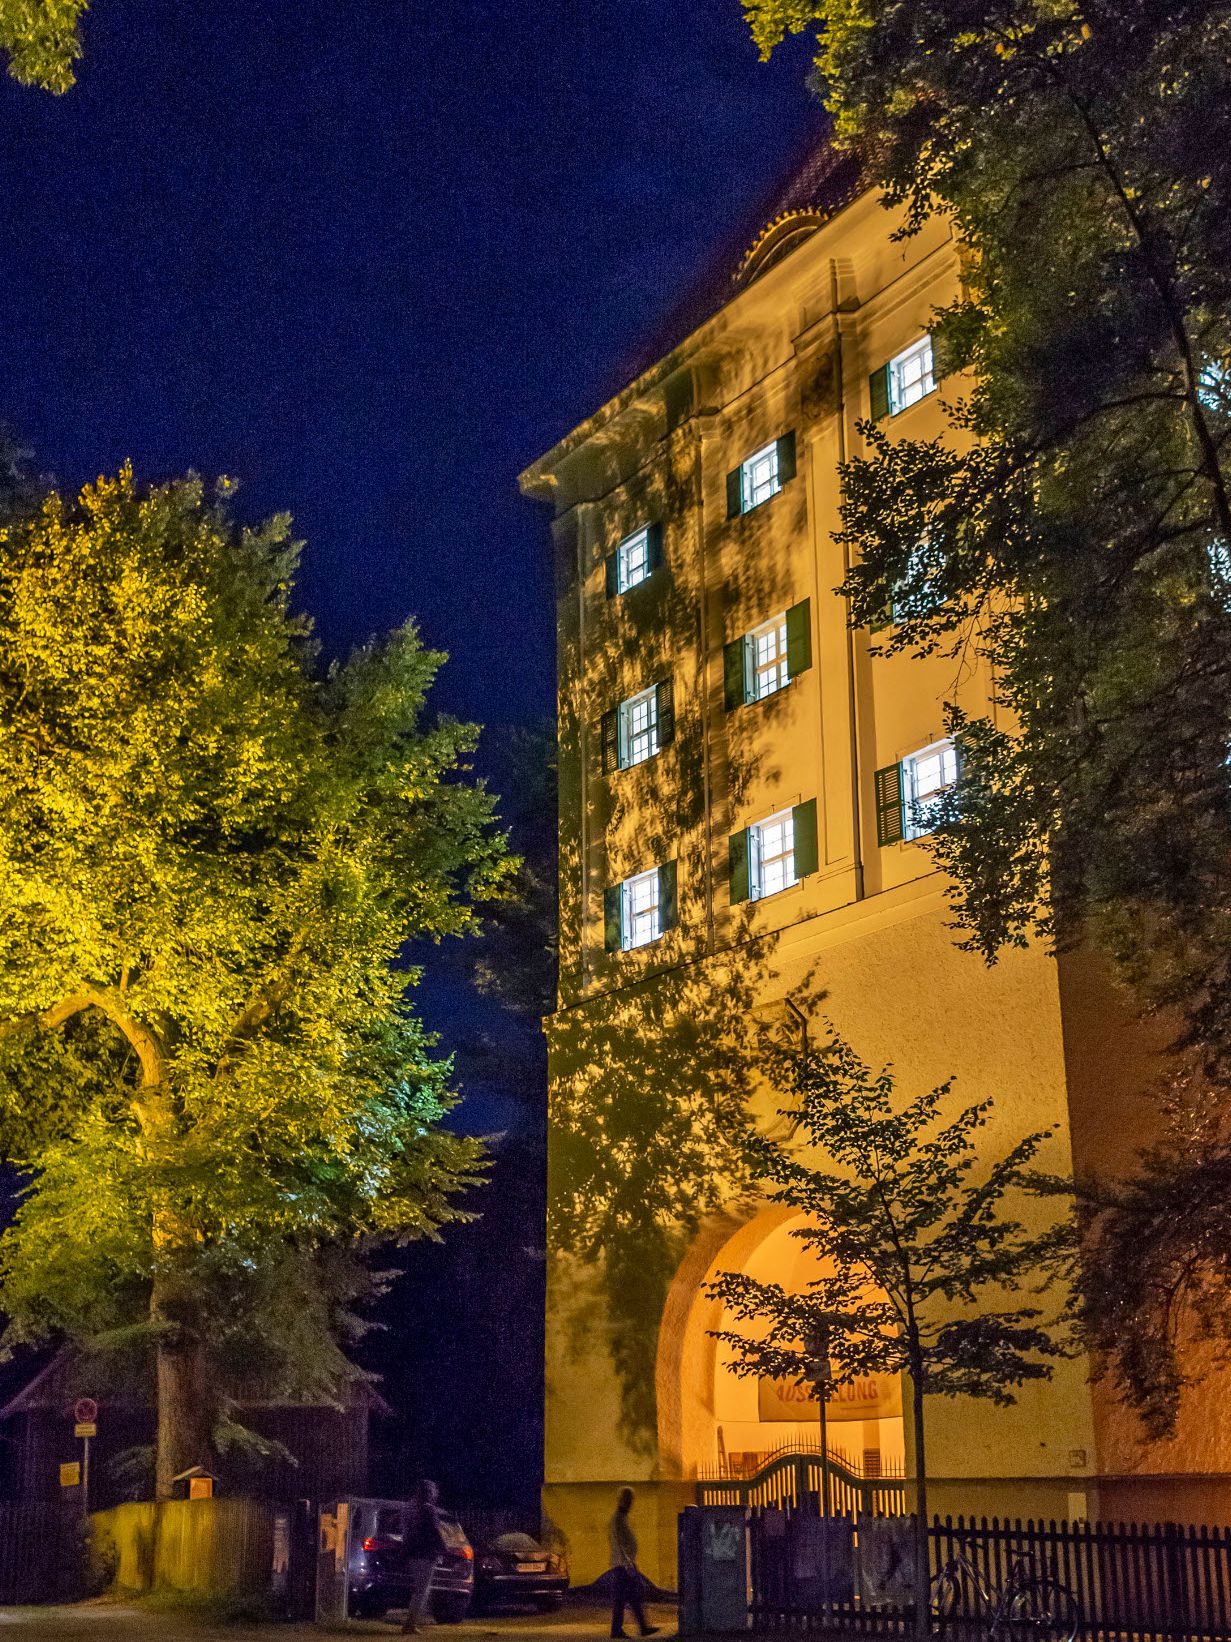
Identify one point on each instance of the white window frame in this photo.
(640, 909)
(943, 756)
(765, 677)
(633, 560)
(912, 375)
(760, 477)
(639, 733)
(771, 873)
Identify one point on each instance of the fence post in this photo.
(690, 1570)
(1178, 1603)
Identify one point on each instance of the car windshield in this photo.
(516, 1545)
(391, 1522)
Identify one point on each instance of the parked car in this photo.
(513, 1568)
(377, 1566)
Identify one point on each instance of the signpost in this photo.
(85, 1414)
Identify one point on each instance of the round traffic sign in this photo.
(85, 1411)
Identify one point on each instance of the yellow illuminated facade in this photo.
(739, 775)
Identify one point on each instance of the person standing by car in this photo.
(625, 1576)
(422, 1550)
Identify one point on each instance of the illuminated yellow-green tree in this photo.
(40, 39)
(213, 854)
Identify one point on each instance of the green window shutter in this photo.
(613, 574)
(654, 535)
(803, 822)
(737, 849)
(941, 362)
(890, 805)
(735, 493)
(734, 674)
(799, 638)
(611, 741)
(878, 383)
(665, 693)
(668, 909)
(786, 458)
(613, 918)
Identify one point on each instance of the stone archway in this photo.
(703, 1410)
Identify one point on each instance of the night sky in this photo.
(370, 260)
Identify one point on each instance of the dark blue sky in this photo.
(370, 259)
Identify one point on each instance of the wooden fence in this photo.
(1130, 1582)
(42, 1552)
(223, 1547)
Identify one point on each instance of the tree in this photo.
(922, 1267)
(212, 855)
(41, 40)
(1082, 539)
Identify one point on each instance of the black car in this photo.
(513, 1568)
(378, 1569)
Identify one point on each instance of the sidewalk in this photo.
(104, 1621)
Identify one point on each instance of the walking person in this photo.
(421, 1551)
(626, 1580)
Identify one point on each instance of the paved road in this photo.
(112, 1622)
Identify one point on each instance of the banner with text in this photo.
(873, 1397)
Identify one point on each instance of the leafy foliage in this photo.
(920, 1264)
(1081, 539)
(910, 1228)
(211, 858)
(41, 40)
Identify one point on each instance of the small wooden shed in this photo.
(329, 1442)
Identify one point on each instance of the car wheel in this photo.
(451, 1610)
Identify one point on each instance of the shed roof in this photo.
(70, 1374)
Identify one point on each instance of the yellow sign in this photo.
(85, 1428)
(872, 1397)
(70, 1474)
(200, 1488)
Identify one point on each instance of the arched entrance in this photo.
(713, 1422)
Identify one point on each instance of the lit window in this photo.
(633, 559)
(1220, 562)
(915, 595)
(639, 728)
(760, 477)
(767, 659)
(771, 855)
(926, 775)
(1214, 387)
(911, 376)
(639, 910)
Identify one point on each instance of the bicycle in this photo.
(1029, 1607)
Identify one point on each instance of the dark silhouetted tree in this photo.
(923, 1267)
(1081, 536)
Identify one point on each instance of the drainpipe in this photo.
(851, 699)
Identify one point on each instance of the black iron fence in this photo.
(797, 1479)
(1129, 1581)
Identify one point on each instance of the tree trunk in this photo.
(923, 1583)
(184, 1412)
